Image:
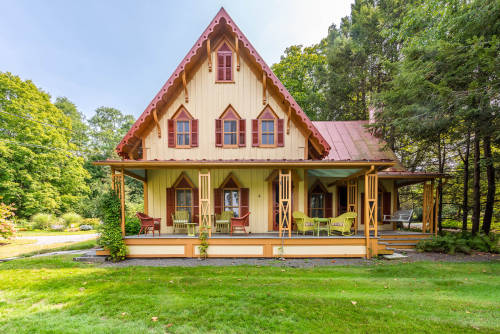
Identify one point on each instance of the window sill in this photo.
(224, 82)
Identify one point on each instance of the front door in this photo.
(342, 200)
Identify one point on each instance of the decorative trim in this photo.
(222, 16)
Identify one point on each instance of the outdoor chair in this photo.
(303, 222)
(180, 220)
(399, 217)
(223, 221)
(343, 223)
(240, 223)
(148, 223)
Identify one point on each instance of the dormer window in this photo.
(230, 129)
(267, 129)
(224, 63)
(182, 130)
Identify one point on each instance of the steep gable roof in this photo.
(131, 138)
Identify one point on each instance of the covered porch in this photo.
(274, 189)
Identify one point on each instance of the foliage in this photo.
(203, 247)
(84, 227)
(72, 218)
(94, 222)
(463, 242)
(43, 221)
(132, 225)
(110, 231)
(39, 170)
(7, 214)
(427, 297)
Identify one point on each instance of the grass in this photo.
(56, 295)
(50, 233)
(28, 248)
(457, 224)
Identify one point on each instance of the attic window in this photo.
(224, 63)
(230, 129)
(267, 129)
(182, 130)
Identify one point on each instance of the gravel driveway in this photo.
(58, 239)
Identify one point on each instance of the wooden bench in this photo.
(399, 217)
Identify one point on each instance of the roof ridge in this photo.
(222, 14)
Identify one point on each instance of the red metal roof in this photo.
(222, 16)
(351, 140)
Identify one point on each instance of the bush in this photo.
(463, 242)
(94, 222)
(72, 219)
(132, 225)
(110, 232)
(57, 227)
(43, 221)
(7, 229)
(84, 227)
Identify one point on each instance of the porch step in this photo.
(400, 245)
(385, 251)
(406, 236)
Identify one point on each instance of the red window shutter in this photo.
(308, 204)
(244, 193)
(217, 201)
(170, 205)
(171, 133)
(218, 132)
(229, 67)
(255, 132)
(242, 133)
(281, 136)
(194, 133)
(386, 204)
(195, 211)
(220, 67)
(328, 205)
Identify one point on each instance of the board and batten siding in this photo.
(207, 101)
(254, 179)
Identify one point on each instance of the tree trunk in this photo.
(441, 159)
(490, 176)
(477, 191)
(465, 196)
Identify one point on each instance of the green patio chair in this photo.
(223, 221)
(304, 223)
(180, 220)
(343, 223)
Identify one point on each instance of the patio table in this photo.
(322, 224)
(191, 228)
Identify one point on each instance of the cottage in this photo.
(224, 135)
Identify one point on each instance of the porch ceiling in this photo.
(333, 173)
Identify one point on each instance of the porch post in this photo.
(122, 200)
(427, 207)
(285, 205)
(145, 190)
(352, 200)
(204, 211)
(371, 194)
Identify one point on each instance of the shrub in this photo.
(110, 232)
(463, 242)
(84, 227)
(72, 219)
(43, 221)
(132, 225)
(7, 229)
(57, 227)
(94, 222)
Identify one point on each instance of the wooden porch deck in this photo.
(269, 245)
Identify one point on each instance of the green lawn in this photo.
(56, 295)
(22, 247)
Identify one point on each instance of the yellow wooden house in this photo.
(224, 134)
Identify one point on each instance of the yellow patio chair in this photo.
(223, 221)
(343, 223)
(180, 220)
(304, 223)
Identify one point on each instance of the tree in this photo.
(79, 134)
(39, 170)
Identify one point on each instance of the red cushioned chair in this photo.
(148, 223)
(240, 222)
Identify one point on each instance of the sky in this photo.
(119, 53)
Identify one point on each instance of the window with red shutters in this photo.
(224, 63)
(182, 130)
(268, 129)
(230, 129)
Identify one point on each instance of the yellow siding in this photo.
(254, 179)
(207, 101)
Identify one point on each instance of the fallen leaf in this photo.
(282, 269)
(239, 279)
(467, 312)
(154, 319)
(81, 289)
(169, 325)
(282, 310)
(389, 306)
(84, 283)
(124, 313)
(385, 286)
(353, 302)
(171, 282)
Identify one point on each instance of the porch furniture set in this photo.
(341, 224)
